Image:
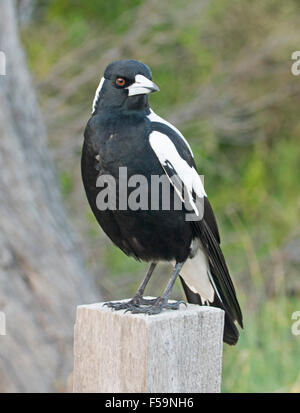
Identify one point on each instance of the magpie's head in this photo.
(126, 84)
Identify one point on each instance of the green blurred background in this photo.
(224, 70)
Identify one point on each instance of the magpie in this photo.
(123, 132)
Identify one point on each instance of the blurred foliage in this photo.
(265, 358)
(66, 183)
(223, 67)
(98, 12)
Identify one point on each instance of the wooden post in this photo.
(175, 351)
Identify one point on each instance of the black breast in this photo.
(118, 142)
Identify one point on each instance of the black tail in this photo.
(231, 333)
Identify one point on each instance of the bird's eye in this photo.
(120, 81)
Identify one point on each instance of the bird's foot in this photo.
(157, 307)
(122, 305)
(130, 305)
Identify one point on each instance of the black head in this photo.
(126, 84)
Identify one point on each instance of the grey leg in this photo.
(137, 299)
(162, 301)
(141, 289)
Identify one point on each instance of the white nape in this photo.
(97, 93)
(153, 117)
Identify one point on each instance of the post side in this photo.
(175, 351)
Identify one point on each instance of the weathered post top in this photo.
(175, 351)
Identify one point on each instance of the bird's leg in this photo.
(137, 299)
(162, 302)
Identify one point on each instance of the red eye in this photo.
(120, 81)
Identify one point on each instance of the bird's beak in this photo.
(142, 86)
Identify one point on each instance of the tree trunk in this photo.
(42, 277)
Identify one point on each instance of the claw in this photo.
(157, 307)
(131, 308)
(175, 306)
(119, 305)
(130, 305)
(144, 306)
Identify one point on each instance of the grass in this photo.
(265, 359)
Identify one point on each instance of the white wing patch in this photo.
(196, 274)
(167, 153)
(97, 93)
(155, 118)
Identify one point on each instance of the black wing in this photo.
(205, 229)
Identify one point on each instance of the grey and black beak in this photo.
(141, 86)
